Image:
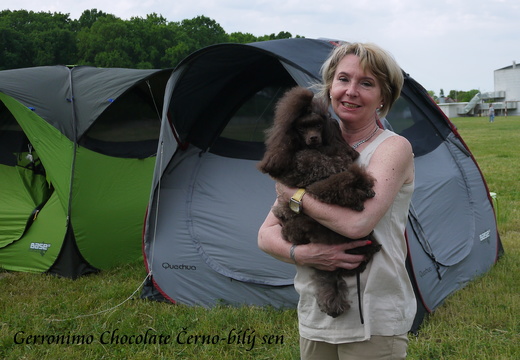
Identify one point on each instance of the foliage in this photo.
(29, 39)
(463, 96)
(99, 39)
(479, 322)
(455, 95)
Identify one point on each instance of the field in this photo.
(102, 316)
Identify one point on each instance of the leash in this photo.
(359, 298)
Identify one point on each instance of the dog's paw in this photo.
(335, 308)
(331, 293)
(370, 193)
(358, 207)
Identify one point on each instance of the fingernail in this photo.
(369, 242)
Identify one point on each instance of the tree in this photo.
(471, 94)
(152, 37)
(280, 35)
(453, 94)
(100, 39)
(433, 96)
(15, 49)
(242, 38)
(202, 31)
(88, 18)
(463, 96)
(191, 35)
(35, 39)
(107, 43)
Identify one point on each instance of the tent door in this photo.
(419, 234)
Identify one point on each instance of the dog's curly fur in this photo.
(305, 149)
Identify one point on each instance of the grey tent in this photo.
(77, 152)
(208, 199)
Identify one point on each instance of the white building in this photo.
(505, 98)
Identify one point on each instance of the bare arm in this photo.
(321, 256)
(391, 165)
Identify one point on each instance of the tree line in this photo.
(99, 39)
(454, 95)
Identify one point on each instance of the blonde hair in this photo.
(373, 59)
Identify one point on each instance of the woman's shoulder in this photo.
(396, 140)
(388, 145)
(392, 148)
(397, 152)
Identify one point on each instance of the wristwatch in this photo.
(296, 201)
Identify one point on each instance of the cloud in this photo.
(449, 44)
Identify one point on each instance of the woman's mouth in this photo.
(350, 105)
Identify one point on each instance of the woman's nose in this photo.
(351, 90)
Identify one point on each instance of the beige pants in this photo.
(377, 348)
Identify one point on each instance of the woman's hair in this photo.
(373, 59)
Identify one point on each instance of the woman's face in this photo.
(355, 94)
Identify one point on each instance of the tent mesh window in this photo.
(15, 148)
(408, 120)
(128, 128)
(243, 137)
(13, 141)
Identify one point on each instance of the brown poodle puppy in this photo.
(305, 149)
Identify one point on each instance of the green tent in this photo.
(77, 151)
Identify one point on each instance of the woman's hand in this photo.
(320, 256)
(323, 256)
(330, 257)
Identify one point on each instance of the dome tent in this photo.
(208, 199)
(77, 152)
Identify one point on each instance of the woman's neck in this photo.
(358, 136)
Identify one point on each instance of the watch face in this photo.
(295, 206)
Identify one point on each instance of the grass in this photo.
(480, 321)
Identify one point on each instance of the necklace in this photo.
(365, 140)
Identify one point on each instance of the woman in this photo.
(361, 82)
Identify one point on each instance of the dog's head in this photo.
(311, 120)
(305, 118)
(310, 128)
(301, 121)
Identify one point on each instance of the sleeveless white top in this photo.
(387, 297)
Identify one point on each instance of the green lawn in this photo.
(100, 315)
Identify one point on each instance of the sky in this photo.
(443, 44)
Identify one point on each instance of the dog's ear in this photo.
(281, 144)
(332, 136)
(282, 140)
(276, 164)
(331, 132)
(293, 105)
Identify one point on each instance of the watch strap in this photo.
(295, 203)
(298, 195)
